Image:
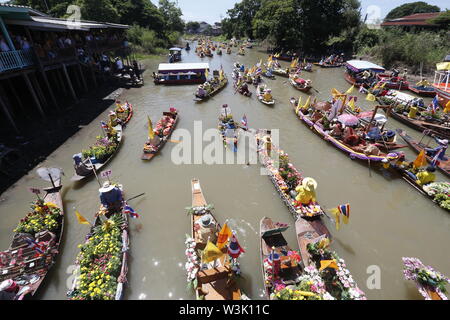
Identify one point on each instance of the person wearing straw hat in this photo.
(206, 228)
(111, 197)
(306, 191)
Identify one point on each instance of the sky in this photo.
(212, 10)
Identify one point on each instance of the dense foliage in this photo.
(411, 8)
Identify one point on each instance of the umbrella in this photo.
(380, 118)
(323, 106)
(49, 174)
(348, 120)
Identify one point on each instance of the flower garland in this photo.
(425, 277)
(44, 216)
(192, 266)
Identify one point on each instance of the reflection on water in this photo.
(389, 219)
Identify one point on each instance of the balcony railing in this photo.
(442, 80)
(16, 59)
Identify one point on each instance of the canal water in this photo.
(389, 219)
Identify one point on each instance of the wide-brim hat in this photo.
(106, 187)
(206, 220)
(445, 142)
(309, 184)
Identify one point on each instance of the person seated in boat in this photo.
(440, 150)
(316, 116)
(207, 87)
(336, 129)
(394, 73)
(424, 177)
(306, 192)
(113, 120)
(350, 137)
(81, 168)
(205, 228)
(268, 95)
(241, 68)
(423, 83)
(269, 72)
(201, 92)
(111, 197)
(244, 89)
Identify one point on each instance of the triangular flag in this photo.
(211, 253)
(306, 106)
(345, 211)
(234, 248)
(151, 134)
(421, 160)
(447, 107)
(370, 97)
(351, 104)
(206, 73)
(81, 219)
(350, 90)
(299, 105)
(335, 92)
(328, 264)
(223, 237)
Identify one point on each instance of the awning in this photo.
(443, 66)
(38, 22)
(361, 65)
(168, 67)
(175, 49)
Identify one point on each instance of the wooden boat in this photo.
(280, 72)
(353, 152)
(126, 116)
(428, 290)
(261, 97)
(150, 152)
(309, 232)
(326, 65)
(120, 273)
(180, 73)
(310, 212)
(397, 83)
(273, 244)
(213, 278)
(444, 166)
(267, 75)
(224, 118)
(216, 90)
(300, 84)
(249, 94)
(26, 268)
(423, 91)
(98, 166)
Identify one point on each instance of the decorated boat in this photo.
(391, 82)
(281, 72)
(124, 112)
(180, 73)
(102, 264)
(411, 111)
(210, 271)
(360, 72)
(441, 83)
(423, 91)
(174, 54)
(260, 91)
(429, 282)
(328, 65)
(362, 151)
(418, 146)
(280, 264)
(35, 244)
(161, 134)
(97, 156)
(228, 128)
(300, 84)
(217, 84)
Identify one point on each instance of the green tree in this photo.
(411, 8)
(172, 15)
(90, 10)
(140, 12)
(193, 26)
(240, 19)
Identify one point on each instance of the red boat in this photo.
(441, 83)
(397, 83)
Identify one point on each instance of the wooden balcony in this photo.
(16, 59)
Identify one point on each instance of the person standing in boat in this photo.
(111, 197)
(306, 191)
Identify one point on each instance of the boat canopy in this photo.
(182, 67)
(401, 97)
(361, 65)
(274, 231)
(443, 66)
(175, 49)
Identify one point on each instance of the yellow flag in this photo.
(221, 76)
(337, 217)
(294, 63)
(351, 104)
(151, 134)
(277, 55)
(81, 219)
(328, 264)
(447, 107)
(206, 73)
(349, 91)
(324, 243)
(270, 58)
(299, 105)
(421, 160)
(306, 106)
(223, 237)
(211, 252)
(335, 93)
(370, 97)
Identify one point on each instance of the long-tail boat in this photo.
(214, 280)
(216, 89)
(35, 245)
(300, 84)
(102, 264)
(423, 91)
(163, 130)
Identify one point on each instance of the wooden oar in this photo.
(315, 90)
(140, 195)
(370, 169)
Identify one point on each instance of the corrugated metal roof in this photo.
(417, 19)
(182, 66)
(27, 9)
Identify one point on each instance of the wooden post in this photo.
(49, 87)
(38, 89)
(83, 80)
(33, 94)
(16, 96)
(8, 114)
(60, 81)
(69, 82)
(77, 79)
